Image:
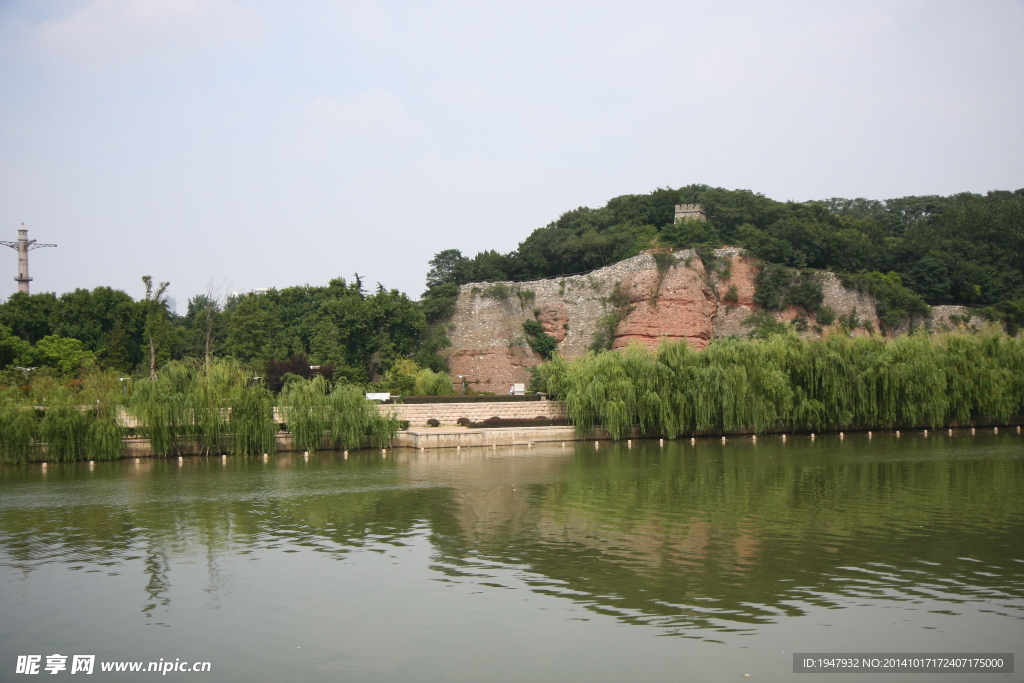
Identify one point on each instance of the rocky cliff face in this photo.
(645, 300)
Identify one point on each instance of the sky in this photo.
(233, 145)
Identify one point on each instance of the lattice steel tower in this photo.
(24, 245)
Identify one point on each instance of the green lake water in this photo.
(684, 563)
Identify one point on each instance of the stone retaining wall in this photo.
(448, 413)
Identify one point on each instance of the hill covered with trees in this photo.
(965, 249)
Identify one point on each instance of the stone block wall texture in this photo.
(449, 413)
(686, 301)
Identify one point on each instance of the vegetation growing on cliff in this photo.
(963, 249)
(787, 383)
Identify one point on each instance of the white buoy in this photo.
(813, 436)
(92, 464)
(754, 438)
(723, 439)
(223, 459)
(345, 455)
(265, 457)
(661, 442)
(871, 434)
(595, 444)
(563, 444)
(693, 441)
(44, 465)
(995, 430)
(897, 433)
(494, 446)
(629, 443)
(841, 436)
(458, 448)
(180, 460)
(137, 461)
(972, 431)
(950, 432)
(926, 433)
(1018, 429)
(783, 437)
(383, 452)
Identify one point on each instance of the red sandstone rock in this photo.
(554, 317)
(682, 307)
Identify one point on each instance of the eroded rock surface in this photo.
(684, 301)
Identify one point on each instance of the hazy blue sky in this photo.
(268, 144)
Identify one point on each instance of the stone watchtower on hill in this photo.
(690, 211)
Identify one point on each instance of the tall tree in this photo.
(156, 317)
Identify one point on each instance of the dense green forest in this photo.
(963, 249)
(350, 333)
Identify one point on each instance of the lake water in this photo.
(697, 563)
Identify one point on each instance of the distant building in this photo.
(690, 211)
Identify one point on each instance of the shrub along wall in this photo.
(788, 383)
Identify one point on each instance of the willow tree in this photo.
(341, 417)
(785, 382)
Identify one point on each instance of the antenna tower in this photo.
(24, 245)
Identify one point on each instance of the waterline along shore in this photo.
(447, 437)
